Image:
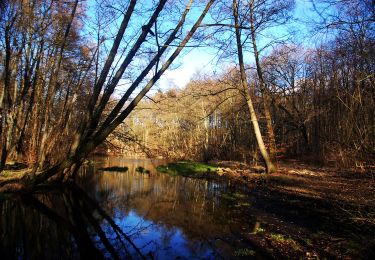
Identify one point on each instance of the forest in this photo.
(280, 117)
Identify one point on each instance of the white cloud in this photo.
(198, 60)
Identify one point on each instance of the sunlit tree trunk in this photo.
(263, 88)
(254, 120)
(5, 99)
(93, 138)
(46, 122)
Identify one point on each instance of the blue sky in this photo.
(202, 60)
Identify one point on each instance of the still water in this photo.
(125, 215)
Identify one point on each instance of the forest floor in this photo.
(308, 211)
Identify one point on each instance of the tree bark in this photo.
(263, 88)
(254, 120)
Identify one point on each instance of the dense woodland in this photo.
(326, 118)
(318, 102)
(72, 72)
(267, 151)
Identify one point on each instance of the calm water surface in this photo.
(125, 215)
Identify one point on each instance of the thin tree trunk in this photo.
(51, 92)
(269, 165)
(89, 145)
(265, 93)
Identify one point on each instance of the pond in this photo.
(111, 214)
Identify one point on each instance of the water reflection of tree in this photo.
(60, 224)
(70, 224)
(193, 206)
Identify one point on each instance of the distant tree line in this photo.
(72, 71)
(317, 102)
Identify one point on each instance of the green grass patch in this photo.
(187, 169)
(114, 169)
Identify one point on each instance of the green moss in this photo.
(13, 174)
(165, 169)
(14, 170)
(115, 169)
(187, 168)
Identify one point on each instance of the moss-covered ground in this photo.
(188, 169)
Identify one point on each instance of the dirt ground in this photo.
(309, 212)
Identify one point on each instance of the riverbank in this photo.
(328, 212)
(307, 211)
(302, 211)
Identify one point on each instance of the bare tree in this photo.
(254, 120)
(94, 125)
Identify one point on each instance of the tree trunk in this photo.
(254, 120)
(263, 88)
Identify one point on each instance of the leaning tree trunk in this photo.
(96, 133)
(254, 120)
(265, 93)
